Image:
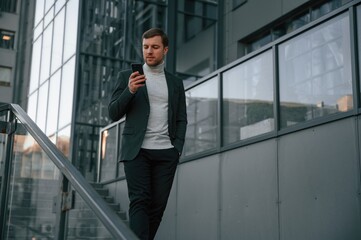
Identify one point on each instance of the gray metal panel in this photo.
(319, 177)
(197, 204)
(249, 192)
(288, 5)
(167, 228)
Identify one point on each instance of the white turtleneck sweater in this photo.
(157, 136)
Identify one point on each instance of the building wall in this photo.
(9, 22)
(304, 185)
(250, 17)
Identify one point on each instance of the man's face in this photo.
(154, 50)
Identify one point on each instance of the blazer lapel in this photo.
(145, 93)
(170, 85)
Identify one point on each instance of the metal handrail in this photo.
(107, 216)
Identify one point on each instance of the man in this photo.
(153, 135)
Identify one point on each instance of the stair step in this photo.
(102, 192)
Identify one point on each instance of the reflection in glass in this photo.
(315, 73)
(84, 224)
(202, 103)
(33, 185)
(53, 109)
(57, 52)
(46, 53)
(32, 102)
(35, 65)
(359, 37)
(39, 11)
(196, 33)
(42, 106)
(58, 5)
(48, 17)
(48, 4)
(63, 141)
(108, 154)
(71, 28)
(248, 99)
(66, 97)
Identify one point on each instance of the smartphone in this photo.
(137, 67)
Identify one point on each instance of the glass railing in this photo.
(35, 202)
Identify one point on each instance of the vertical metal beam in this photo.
(172, 35)
(355, 58)
(7, 175)
(219, 36)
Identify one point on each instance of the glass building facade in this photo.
(80, 46)
(286, 84)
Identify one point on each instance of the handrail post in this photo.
(5, 185)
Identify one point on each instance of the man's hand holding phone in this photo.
(137, 78)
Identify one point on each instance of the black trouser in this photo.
(149, 178)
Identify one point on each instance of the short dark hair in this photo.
(156, 32)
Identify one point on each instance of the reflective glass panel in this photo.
(48, 17)
(42, 106)
(53, 109)
(48, 4)
(108, 154)
(315, 73)
(38, 30)
(34, 200)
(71, 28)
(3, 117)
(46, 53)
(196, 32)
(58, 5)
(39, 11)
(359, 38)
(248, 99)
(35, 65)
(84, 224)
(32, 102)
(202, 102)
(5, 75)
(33, 185)
(66, 94)
(63, 140)
(57, 53)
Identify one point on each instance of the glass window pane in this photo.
(63, 141)
(58, 5)
(109, 154)
(58, 41)
(202, 113)
(5, 75)
(46, 53)
(39, 11)
(315, 73)
(32, 102)
(71, 28)
(48, 17)
(38, 30)
(54, 92)
(42, 105)
(248, 99)
(7, 39)
(359, 38)
(33, 186)
(66, 97)
(35, 65)
(48, 4)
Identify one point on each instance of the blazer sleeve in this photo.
(121, 97)
(181, 119)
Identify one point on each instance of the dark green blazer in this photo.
(136, 108)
